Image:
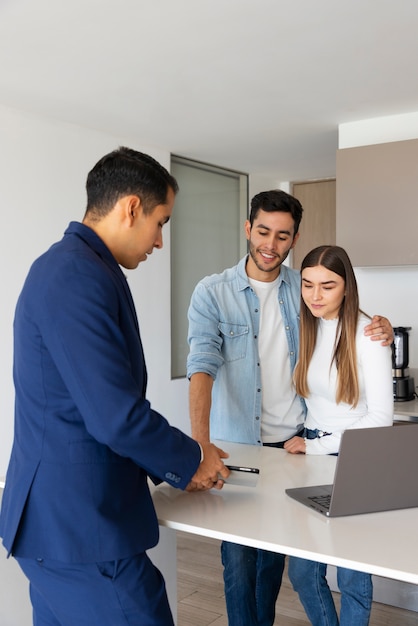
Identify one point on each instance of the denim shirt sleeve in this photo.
(204, 337)
(223, 329)
(289, 301)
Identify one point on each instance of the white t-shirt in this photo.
(281, 408)
(375, 405)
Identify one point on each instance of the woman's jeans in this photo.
(252, 580)
(309, 581)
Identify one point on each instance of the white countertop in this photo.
(406, 411)
(265, 517)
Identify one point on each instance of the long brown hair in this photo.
(336, 260)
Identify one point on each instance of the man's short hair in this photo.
(125, 172)
(276, 200)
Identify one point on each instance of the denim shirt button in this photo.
(257, 417)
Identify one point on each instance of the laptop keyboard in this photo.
(323, 501)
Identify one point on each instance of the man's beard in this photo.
(253, 253)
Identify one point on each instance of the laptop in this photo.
(377, 470)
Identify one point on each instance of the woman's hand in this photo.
(296, 445)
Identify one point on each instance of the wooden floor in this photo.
(201, 596)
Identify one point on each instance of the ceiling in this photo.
(259, 86)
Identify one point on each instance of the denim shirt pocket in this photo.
(234, 340)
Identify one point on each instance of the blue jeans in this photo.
(252, 579)
(309, 581)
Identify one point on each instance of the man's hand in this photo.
(210, 470)
(380, 329)
(295, 445)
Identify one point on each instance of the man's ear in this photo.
(295, 238)
(247, 228)
(131, 207)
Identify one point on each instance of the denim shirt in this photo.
(224, 318)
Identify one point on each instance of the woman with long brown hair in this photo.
(346, 381)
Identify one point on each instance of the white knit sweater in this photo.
(375, 406)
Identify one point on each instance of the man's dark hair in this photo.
(276, 200)
(125, 172)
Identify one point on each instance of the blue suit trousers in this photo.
(127, 592)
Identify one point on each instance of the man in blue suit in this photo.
(77, 513)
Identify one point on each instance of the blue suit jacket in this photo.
(85, 436)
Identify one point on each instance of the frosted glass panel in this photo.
(207, 235)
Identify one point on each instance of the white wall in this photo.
(390, 291)
(43, 168)
(378, 130)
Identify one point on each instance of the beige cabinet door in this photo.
(377, 197)
(318, 222)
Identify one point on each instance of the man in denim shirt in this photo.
(243, 336)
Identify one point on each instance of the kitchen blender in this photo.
(403, 384)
